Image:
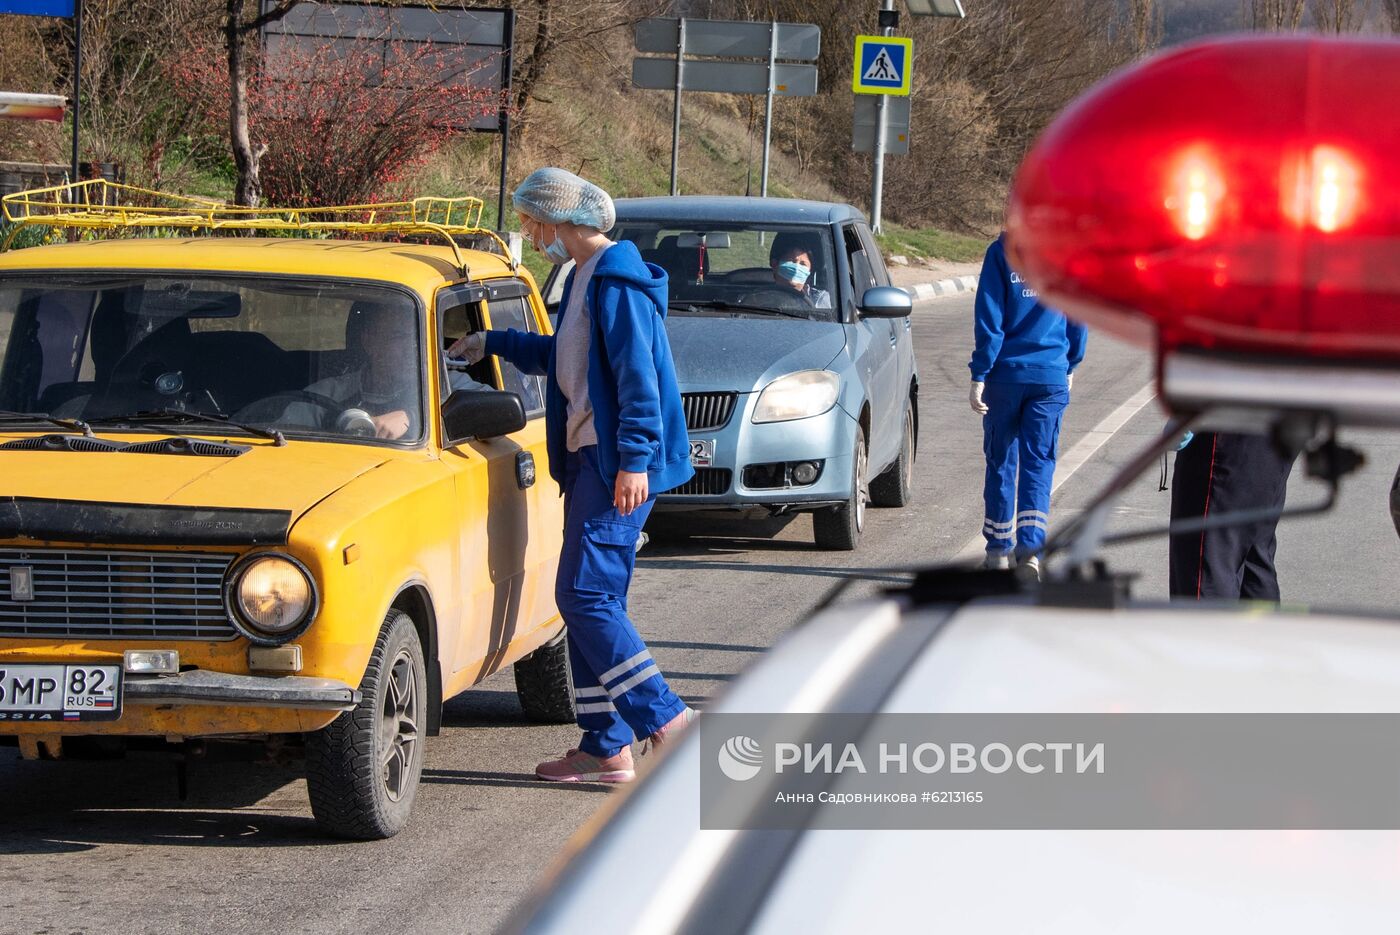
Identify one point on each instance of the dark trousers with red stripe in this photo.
(1218, 473)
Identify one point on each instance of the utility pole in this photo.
(768, 111)
(676, 114)
(77, 80)
(881, 120)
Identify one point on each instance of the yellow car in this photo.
(246, 493)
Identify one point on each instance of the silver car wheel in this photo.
(862, 485)
(398, 727)
(908, 449)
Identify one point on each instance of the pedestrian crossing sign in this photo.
(884, 65)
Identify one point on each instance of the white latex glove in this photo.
(469, 347)
(974, 397)
(1069, 381)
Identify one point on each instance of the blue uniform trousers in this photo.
(1020, 436)
(619, 693)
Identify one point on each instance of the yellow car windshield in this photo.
(306, 357)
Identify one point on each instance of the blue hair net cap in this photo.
(557, 196)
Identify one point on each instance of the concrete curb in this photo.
(932, 290)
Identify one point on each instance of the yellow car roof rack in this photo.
(101, 205)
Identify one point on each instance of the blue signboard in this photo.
(38, 7)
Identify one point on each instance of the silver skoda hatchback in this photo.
(794, 356)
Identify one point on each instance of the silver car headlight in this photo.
(272, 596)
(798, 395)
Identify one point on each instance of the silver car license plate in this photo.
(54, 692)
(702, 452)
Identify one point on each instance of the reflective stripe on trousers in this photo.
(619, 693)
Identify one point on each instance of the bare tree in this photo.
(1392, 14)
(247, 190)
(1274, 15)
(570, 32)
(1340, 16)
(1146, 22)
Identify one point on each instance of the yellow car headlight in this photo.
(273, 596)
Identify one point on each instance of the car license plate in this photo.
(702, 453)
(60, 692)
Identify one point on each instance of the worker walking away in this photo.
(1022, 366)
(1218, 473)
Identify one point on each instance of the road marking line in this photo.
(1079, 455)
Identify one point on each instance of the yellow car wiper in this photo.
(73, 425)
(153, 417)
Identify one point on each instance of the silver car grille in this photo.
(98, 594)
(705, 412)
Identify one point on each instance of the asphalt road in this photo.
(110, 847)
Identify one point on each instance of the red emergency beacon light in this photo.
(1237, 197)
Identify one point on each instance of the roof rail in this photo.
(100, 205)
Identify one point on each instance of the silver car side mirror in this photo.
(886, 302)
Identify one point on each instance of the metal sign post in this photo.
(883, 66)
(676, 119)
(506, 68)
(879, 74)
(682, 40)
(63, 9)
(77, 77)
(768, 107)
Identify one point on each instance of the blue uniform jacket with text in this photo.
(1017, 339)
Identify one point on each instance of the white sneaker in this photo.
(997, 561)
(1032, 562)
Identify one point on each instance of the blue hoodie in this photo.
(1018, 340)
(637, 410)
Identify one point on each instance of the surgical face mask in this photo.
(553, 251)
(794, 273)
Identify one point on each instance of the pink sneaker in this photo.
(667, 732)
(577, 766)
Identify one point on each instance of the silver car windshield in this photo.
(744, 269)
(304, 357)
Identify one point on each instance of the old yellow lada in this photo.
(244, 493)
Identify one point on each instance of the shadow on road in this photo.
(701, 676)
(462, 777)
(483, 707)
(87, 829)
(720, 532)
(884, 575)
(74, 805)
(718, 647)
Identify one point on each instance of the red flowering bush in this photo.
(345, 124)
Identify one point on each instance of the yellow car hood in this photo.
(293, 477)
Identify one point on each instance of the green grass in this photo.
(931, 243)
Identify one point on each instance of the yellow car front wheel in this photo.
(362, 770)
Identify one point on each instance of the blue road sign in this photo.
(883, 65)
(38, 7)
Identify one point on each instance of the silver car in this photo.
(794, 355)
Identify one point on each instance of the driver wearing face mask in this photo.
(384, 388)
(791, 260)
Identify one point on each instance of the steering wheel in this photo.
(270, 408)
(776, 296)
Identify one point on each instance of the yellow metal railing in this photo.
(101, 205)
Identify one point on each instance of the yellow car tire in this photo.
(544, 683)
(362, 770)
